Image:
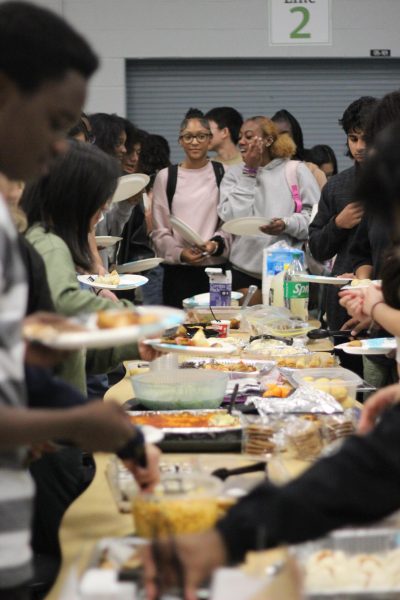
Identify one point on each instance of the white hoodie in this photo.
(267, 195)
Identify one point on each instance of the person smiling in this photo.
(195, 201)
(259, 188)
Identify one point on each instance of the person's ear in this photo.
(269, 140)
(8, 89)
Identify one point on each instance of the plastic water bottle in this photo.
(296, 293)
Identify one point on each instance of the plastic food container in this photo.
(313, 360)
(180, 389)
(181, 503)
(274, 321)
(353, 563)
(338, 382)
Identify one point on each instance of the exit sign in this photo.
(299, 22)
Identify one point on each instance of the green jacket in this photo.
(70, 299)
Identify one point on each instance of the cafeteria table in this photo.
(94, 514)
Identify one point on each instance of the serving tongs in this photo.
(267, 336)
(224, 473)
(319, 334)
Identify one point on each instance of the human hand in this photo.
(209, 247)
(108, 294)
(375, 405)
(99, 426)
(191, 255)
(149, 476)
(199, 554)
(350, 216)
(252, 156)
(147, 353)
(356, 326)
(275, 227)
(371, 295)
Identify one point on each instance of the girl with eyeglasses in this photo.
(195, 202)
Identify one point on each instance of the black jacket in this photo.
(326, 240)
(358, 485)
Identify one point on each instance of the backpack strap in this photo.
(292, 181)
(171, 184)
(219, 171)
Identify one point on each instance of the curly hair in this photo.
(154, 155)
(282, 146)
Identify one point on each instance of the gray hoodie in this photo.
(267, 195)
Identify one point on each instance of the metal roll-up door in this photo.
(159, 92)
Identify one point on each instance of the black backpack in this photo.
(219, 172)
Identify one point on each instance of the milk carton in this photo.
(220, 286)
(274, 262)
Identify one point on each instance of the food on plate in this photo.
(357, 282)
(312, 360)
(237, 366)
(112, 278)
(182, 338)
(43, 331)
(276, 390)
(356, 343)
(112, 319)
(186, 419)
(336, 570)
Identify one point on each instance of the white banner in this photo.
(299, 22)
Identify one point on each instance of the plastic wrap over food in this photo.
(304, 400)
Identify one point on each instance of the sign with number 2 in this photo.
(301, 22)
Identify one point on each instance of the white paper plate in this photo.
(130, 185)
(93, 337)
(127, 282)
(223, 348)
(203, 300)
(322, 279)
(363, 285)
(246, 225)
(188, 234)
(106, 241)
(373, 346)
(138, 266)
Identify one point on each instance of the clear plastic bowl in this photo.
(181, 503)
(180, 389)
(340, 383)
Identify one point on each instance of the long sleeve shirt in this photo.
(358, 485)
(267, 195)
(195, 202)
(327, 240)
(70, 299)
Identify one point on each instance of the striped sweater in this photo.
(16, 487)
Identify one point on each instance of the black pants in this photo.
(181, 281)
(241, 280)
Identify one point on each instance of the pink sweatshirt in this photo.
(195, 202)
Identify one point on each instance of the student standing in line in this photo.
(194, 201)
(44, 68)
(225, 123)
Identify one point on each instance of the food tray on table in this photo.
(194, 430)
(236, 367)
(354, 563)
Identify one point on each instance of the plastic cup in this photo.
(222, 327)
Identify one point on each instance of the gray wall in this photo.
(123, 29)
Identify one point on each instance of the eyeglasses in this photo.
(200, 137)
